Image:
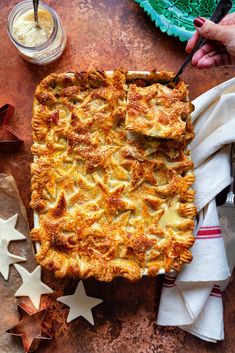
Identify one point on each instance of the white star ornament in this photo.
(32, 286)
(7, 259)
(80, 304)
(8, 231)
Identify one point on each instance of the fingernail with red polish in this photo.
(198, 22)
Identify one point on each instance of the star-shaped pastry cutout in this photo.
(80, 304)
(32, 286)
(8, 231)
(30, 329)
(7, 259)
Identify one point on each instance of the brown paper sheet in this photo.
(10, 204)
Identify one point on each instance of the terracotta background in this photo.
(105, 34)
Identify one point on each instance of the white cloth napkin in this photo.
(193, 299)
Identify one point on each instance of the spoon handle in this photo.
(220, 11)
(35, 9)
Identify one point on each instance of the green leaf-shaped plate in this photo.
(175, 17)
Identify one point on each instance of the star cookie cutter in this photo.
(30, 328)
(9, 139)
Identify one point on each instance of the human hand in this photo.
(220, 47)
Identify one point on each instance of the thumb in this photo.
(210, 30)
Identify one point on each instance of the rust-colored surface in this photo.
(105, 34)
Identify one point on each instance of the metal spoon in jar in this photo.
(35, 10)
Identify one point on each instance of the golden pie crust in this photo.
(158, 110)
(112, 176)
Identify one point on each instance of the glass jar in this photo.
(42, 53)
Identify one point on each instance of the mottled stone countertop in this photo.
(105, 34)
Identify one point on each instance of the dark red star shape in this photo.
(30, 328)
(8, 137)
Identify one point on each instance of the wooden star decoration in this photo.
(8, 231)
(7, 259)
(30, 328)
(80, 304)
(32, 286)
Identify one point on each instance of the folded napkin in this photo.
(193, 299)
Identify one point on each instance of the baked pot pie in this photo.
(112, 174)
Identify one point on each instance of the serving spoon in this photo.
(219, 13)
(35, 10)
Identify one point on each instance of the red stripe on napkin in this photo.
(216, 295)
(216, 292)
(168, 286)
(211, 232)
(169, 281)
